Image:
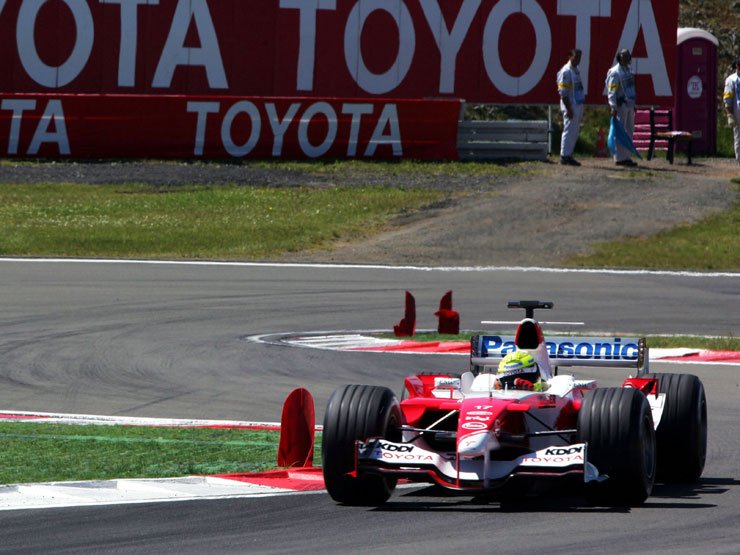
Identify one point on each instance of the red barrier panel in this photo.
(498, 51)
(120, 126)
(297, 430)
(448, 319)
(407, 326)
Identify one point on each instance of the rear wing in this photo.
(618, 352)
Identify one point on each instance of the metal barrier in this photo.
(511, 139)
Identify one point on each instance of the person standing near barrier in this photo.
(731, 98)
(570, 90)
(620, 86)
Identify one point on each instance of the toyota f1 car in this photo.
(461, 432)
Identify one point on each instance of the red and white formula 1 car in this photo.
(463, 434)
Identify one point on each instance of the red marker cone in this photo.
(297, 430)
(449, 320)
(407, 326)
(601, 151)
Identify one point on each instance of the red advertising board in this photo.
(167, 126)
(496, 51)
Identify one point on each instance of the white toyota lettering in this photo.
(449, 34)
(386, 130)
(51, 126)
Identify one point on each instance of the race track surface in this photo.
(168, 340)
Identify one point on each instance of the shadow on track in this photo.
(664, 496)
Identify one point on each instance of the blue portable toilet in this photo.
(695, 87)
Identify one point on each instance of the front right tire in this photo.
(617, 425)
(682, 431)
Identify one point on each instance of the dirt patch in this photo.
(550, 214)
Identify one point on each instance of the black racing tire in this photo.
(682, 430)
(617, 425)
(357, 412)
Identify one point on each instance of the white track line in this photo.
(94, 419)
(377, 267)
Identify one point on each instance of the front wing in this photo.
(449, 470)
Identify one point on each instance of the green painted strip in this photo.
(136, 440)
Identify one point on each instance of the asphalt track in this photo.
(168, 340)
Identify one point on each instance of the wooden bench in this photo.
(654, 130)
(495, 140)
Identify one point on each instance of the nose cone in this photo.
(476, 444)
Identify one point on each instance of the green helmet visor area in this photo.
(518, 364)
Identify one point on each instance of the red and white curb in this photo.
(188, 488)
(115, 492)
(358, 342)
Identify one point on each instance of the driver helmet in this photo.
(518, 364)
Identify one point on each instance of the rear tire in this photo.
(618, 426)
(357, 412)
(682, 431)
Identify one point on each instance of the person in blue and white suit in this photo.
(570, 89)
(731, 100)
(620, 87)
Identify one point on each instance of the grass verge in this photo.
(62, 452)
(211, 222)
(711, 244)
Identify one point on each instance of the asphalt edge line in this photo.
(92, 419)
(605, 271)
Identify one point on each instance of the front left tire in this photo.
(358, 412)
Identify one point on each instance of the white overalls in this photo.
(620, 86)
(731, 99)
(570, 86)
